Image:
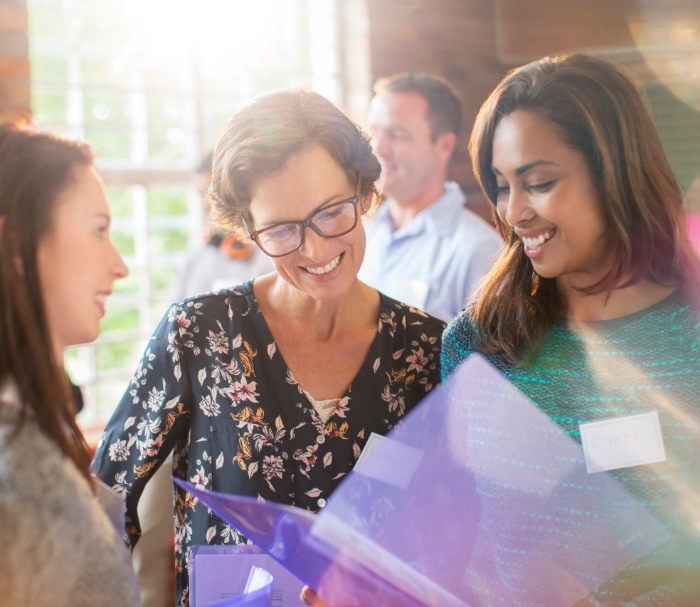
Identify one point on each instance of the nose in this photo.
(119, 269)
(515, 208)
(313, 245)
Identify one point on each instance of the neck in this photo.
(404, 209)
(616, 303)
(321, 320)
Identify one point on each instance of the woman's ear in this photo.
(366, 201)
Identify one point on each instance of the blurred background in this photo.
(150, 82)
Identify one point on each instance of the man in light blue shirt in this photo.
(424, 247)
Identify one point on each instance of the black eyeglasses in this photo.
(334, 220)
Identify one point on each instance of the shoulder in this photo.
(237, 300)
(458, 342)
(45, 502)
(672, 321)
(409, 318)
(463, 329)
(33, 465)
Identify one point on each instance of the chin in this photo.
(87, 337)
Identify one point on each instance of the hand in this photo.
(310, 598)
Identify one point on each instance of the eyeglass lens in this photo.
(332, 221)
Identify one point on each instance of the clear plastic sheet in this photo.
(476, 498)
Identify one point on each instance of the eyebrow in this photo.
(528, 166)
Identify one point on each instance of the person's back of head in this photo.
(35, 168)
(259, 140)
(444, 107)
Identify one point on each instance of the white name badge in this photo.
(393, 463)
(622, 442)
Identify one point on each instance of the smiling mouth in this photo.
(329, 267)
(533, 243)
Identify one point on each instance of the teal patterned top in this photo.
(647, 361)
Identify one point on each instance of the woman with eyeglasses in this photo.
(272, 388)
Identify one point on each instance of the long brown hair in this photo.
(599, 112)
(35, 168)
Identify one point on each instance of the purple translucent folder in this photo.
(475, 499)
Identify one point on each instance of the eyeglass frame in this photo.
(307, 223)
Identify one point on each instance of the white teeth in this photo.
(325, 269)
(532, 243)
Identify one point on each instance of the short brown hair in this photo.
(259, 140)
(444, 107)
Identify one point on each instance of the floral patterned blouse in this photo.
(213, 389)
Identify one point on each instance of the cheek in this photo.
(501, 212)
(282, 264)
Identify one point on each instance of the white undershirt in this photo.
(324, 408)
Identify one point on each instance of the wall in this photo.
(14, 63)
(452, 38)
(473, 43)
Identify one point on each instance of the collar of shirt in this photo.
(438, 217)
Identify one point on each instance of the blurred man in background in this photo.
(424, 247)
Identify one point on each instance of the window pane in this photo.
(152, 101)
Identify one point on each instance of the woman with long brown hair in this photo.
(57, 266)
(592, 309)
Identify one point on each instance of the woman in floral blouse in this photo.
(272, 388)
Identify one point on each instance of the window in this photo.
(149, 83)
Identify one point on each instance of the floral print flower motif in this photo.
(337, 431)
(395, 399)
(272, 467)
(268, 437)
(307, 457)
(241, 391)
(244, 453)
(120, 485)
(200, 479)
(218, 342)
(183, 322)
(342, 407)
(247, 358)
(209, 406)
(118, 451)
(156, 398)
(151, 446)
(418, 360)
(246, 417)
(226, 371)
